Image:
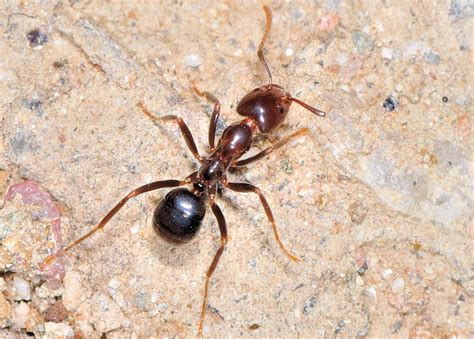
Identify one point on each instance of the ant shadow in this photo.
(174, 255)
(168, 253)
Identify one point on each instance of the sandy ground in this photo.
(377, 199)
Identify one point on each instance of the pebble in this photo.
(21, 314)
(372, 292)
(21, 289)
(56, 312)
(461, 9)
(142, 300)
(327, 22)
(114, 284)
(357, 212)
(37, 39)
(154, 297)
(398, 285)
(107, 315)
(387, 53)
(429, 270)
(413, 47)
(72, 291)
(58, 330)
(162, 307)
(193, 60)
(387, 273)
(5, 311)
(432, 58)
(359, 281)
(309, 305)
(390, 104)
(468, 286)
(342, 59)
(362, 41)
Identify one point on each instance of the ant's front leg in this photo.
(270, 149)
(214, 117)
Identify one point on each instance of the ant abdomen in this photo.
(178, 216)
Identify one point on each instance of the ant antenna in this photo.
(268, 26)
(308, 107)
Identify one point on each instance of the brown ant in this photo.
(178, 216)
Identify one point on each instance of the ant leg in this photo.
(223, 229)
(270, 149)
(187, 135)
(261, 56)
(214, 117)
(143, 189)
(248, 188)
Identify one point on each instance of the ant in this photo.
(177, 217)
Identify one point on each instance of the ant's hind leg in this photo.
(214, 117)
(248, 188)
(223, 229)
(187, 135)
(270, 149)
(143, 189)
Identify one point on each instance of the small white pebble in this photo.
(289, 51)
(342, 59)
(372, 292)
(387, 273)
(154, 297)
(192, 60)
(147, 177)
(162, 307)
(21, 315)
(359, 281)
(345, 88)
(58, 330)
(114, 284)
(21, 289)
(398, 285)
(379, 26)
(387, 53)
(135, 228)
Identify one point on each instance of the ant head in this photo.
(267, 106)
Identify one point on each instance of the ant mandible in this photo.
(178, 216)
